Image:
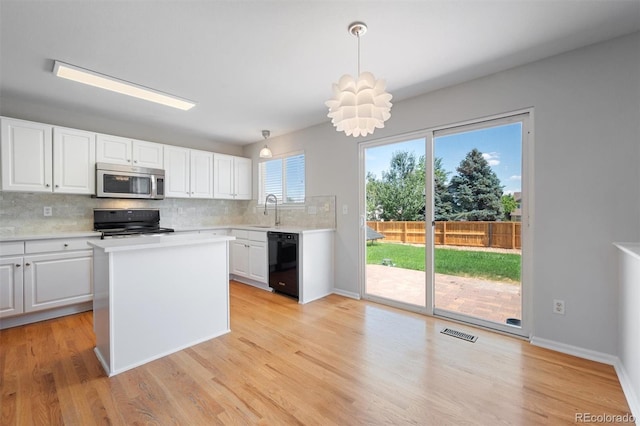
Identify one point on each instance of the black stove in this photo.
(127, 222)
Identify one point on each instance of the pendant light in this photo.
(266, 152)
(361, 105)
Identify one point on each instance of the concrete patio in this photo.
(489, 300)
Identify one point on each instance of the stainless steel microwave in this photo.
(120, 181)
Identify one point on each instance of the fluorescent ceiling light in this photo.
(92, 78)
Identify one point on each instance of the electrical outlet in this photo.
(558, 307)
(48, 211)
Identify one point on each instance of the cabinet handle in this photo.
(18, 265)
(66, 245)
(27, 264)
(57, 186)
(47, 185)
(135, 161)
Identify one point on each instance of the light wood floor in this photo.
(333, 361)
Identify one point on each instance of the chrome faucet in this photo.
(273, 198)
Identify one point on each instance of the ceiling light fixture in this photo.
(359, 106)
(95, 79)
(266, 152)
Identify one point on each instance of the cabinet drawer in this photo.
(66, 244)
(257, 236)
(240, 234)
(11, 248)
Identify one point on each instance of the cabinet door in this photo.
(113, 149)
(177, 172)
(11, 302)
(74, 161)
(242, 178)
(57, 279)
(201, 174)
(148, 154)
(258, 261)
(223, 176)
(239, 262)
(26, 156)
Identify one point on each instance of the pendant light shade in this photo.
(266, 152)
(359, 106)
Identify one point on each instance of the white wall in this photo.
(587, 179)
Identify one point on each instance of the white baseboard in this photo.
(627, 388)
(623, 377)
(248, 281)
(37, 316)
(345, 293)
(574, 350)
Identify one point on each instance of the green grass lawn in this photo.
(480, 264)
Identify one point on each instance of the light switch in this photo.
(48, 211)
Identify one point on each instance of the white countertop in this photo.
(85, 234)
(156, 241)
(281, 228)
(632, 249)
(29, 237)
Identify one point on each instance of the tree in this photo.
(442, 200)
(476, 190)
(509, 204)
(373, 192)
(402, 188)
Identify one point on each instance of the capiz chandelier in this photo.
(359, 106)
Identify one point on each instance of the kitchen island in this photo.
(156, 295)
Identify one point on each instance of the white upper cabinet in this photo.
(188, 173)
(74, 161)
(27, 154)
(232, 177)
(118, 150)
(201, 174)
(242, 178)
(147, 154)
(41, 158)
(223, 176)
(113, 149)
(177, 172)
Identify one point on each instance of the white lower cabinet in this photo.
(249, 256)
(57, 279)
(38, 275)
(11, 287)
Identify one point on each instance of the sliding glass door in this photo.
(475, 247)
(445, 222)
(394, 224)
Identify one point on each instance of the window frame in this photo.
(261, 186)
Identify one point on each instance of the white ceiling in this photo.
(254, 65)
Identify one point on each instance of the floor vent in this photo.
(460, 335)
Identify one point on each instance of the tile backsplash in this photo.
(22, 213)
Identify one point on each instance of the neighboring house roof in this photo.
(373, 235)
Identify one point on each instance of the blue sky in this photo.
(501, 146)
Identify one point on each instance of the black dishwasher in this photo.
(283, 263)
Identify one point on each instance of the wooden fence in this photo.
(471, 234)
